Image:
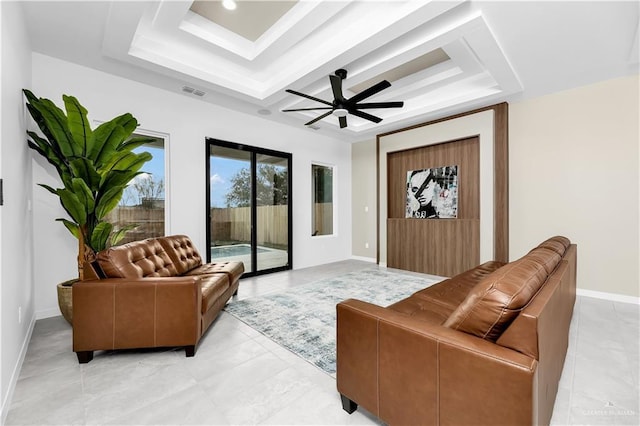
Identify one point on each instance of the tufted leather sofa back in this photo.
(182, 252)
(497, 300)
(138, 259)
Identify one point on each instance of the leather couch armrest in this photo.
(408, 371)
(119, 313)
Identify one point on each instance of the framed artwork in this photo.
(432, 193)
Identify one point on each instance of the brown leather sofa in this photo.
(484, 347)
(147, 294)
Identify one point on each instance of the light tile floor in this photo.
(238, 376)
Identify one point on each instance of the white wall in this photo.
(573, 170)
(187, 121)
(363, 207)
(16, 278)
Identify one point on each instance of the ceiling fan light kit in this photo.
(341, 107)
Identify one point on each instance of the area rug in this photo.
(303, 319)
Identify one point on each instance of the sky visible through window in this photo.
(154, 168)
(222, 170)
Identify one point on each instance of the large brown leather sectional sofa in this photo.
(484, 347)
(150, 293)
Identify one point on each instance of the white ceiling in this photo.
(498, 51)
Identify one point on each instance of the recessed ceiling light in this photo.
(229, 4)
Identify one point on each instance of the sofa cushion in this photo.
(138, 259)
(233, 269)
(549, 259)
(558, 244)
(495, 301)
(182, 252)
(453, 291)
(422, 309)
(213, 288)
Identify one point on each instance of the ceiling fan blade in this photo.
(305, 109)
(369, 92)
(365, 115)
(308, 97)
(318, 118)
(373, 105)
(343, 122)
(336, 87)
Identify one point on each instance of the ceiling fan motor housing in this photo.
(342, 73)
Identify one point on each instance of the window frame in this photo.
(334, 203)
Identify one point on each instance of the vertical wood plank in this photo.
(501, 182)
(435, 246)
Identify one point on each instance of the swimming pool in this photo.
(234, 250)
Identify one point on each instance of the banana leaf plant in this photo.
(94, 166)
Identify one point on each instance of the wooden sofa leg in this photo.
(190, 351)
(348, 405)
(235, 293)
(84, 356)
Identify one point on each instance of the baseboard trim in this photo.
(364, 259)
(608, 296)
(6, 404)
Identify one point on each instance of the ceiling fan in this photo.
(341, 106)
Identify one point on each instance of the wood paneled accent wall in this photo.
(389, 221)
(438, 246)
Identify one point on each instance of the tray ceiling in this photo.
(441, 57)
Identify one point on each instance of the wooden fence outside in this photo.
(227, 224)
(323, 219)
(234, 224)
(150, 222)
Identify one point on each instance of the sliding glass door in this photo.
(248, 206)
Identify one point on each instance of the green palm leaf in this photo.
(83, 194)
(42, 147)
(85, 169)
(56, 123)
(72, 204)
(100, 236)
(38, 118)
(129, 161)
(136, 142)
(72, 227)
(117, 179)
(79, 124)
(48, 188)
(108, 201)
(129, 124)
(120, 233)
(108, 136)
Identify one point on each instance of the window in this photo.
(143, 201)
(322, 202)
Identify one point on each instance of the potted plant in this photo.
(94, 166)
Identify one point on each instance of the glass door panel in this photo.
(272, 212)
(230, 205)
(249, 206)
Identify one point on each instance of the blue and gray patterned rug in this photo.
(303, 319)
